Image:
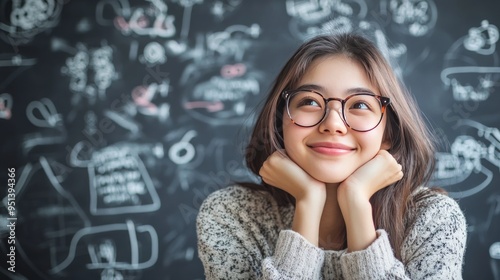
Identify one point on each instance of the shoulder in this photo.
(435, 206)
(238, 202)
(436, 213)
(236, 197)
(436, 236)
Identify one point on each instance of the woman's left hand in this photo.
(354, 194)
(376, 174)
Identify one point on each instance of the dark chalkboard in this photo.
(118, 117)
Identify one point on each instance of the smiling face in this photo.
(331, 151)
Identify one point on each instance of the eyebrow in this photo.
(322, 90)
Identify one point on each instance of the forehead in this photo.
(337, 75)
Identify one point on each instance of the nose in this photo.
(333, 121)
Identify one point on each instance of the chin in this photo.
(328, 177)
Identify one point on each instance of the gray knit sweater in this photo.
(244, 234)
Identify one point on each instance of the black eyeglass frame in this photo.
(383, 100)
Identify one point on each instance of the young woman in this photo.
(344, 158)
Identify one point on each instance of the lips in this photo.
(330, 148)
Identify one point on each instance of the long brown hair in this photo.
(411, 142)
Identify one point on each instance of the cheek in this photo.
(293, 139)
(371, 142)
(290, 135)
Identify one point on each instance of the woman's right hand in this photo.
(310, 194)
(280, 171)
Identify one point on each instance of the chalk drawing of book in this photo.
(123, 246)
(120, 183)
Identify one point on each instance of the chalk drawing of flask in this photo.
(49, 214)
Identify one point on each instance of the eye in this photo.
(307, 101)
(361, 105)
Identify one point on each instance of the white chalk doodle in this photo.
(495, 250)
(413, 17)
(314, 10)
(185, 155)
(154, 53)
(91, 72)
(43, 113)
(233, 42)
(222, 8)
(60, 214)
(183, 151)
(120, 183)
(225, 43)
(219, 84)
(480, 92)
(124, 121)
(142, 245)
(465, 160)
(60, 189)
(153, 21)
(472, 67)
(222, 100)
(483, 39)
(142, 97)
(313, 17)
(16, 60)
(27, 18)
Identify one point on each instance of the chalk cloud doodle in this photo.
(27, 18)
(91, 72)
(413, 17)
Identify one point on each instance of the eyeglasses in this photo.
(361, 111)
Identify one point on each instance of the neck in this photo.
(332, 226)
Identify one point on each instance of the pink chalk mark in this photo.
(213, 106)
(235, 70)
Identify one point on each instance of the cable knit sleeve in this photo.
(433, 248)
(237, 229)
